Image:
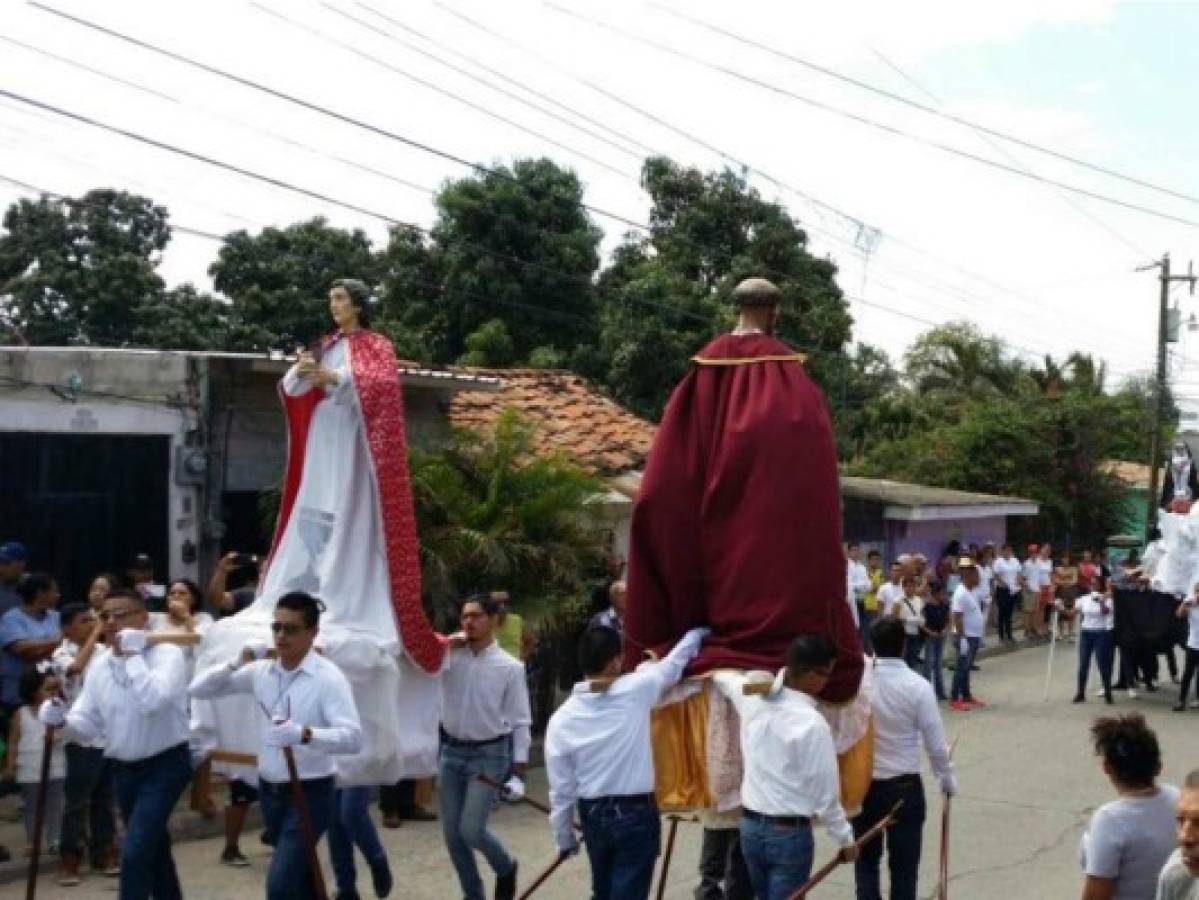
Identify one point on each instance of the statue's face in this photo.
(343, 310)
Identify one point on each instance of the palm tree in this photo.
(959, 360)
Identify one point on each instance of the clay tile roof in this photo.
(570, 416)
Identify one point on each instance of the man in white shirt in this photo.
(790, 772)
(857, 579)
(1008, 576)
(598, 754)
(308, 708)
(905, 716)
(136, 698)
(89, 801)
(891, 590)
(969, 610)
(485, 724)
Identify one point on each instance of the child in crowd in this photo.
(23, 761)
(907, 610)
(934, 623)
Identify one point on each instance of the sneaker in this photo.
(391, 820)
(1179, 707)
(959, 706)
(974, 701)
(381, 876)
(232, 857)
(505, 885)
(1100, 692)
(1132, 695)
(419, 814)
(1195, 704)
(1079, 698)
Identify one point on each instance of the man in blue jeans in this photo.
(485, 722)
(136, 697)
(309, 709)
(598, 755)
(352, 827)
(790, 771)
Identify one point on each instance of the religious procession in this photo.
(628, 452)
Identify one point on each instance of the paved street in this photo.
(1029, 783)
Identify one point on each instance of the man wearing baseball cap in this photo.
(969, 608)
(13, 557)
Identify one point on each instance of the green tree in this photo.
(516, 245)
(492, 514)
(74, 270)
(958, 361)
(278, 279)
(184, 319)
(489, 346)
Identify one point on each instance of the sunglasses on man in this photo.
(288, 628)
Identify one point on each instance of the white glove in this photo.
(567, 852)
(949, 785)
(53, 713)
(697, 635)
(514, 789)
(284, 734)
(131, 641)
(963, 647)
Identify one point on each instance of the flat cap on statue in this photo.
(757, 292)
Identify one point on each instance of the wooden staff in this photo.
(943, 875)
(39, 818)
(861, 842)
(674, 827)
(301, 804)
(544, 876)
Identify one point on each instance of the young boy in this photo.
(935, 620)
(907, 610)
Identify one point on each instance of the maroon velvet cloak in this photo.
(738, 521)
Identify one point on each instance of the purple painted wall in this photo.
(930, 538)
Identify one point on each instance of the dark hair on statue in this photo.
(305, 604)
(360, 296)
(1130, 749)
(598, 646)
(888, 638)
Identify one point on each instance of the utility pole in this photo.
(1159, 390)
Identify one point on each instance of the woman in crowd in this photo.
(1130, 838)
(102, 583)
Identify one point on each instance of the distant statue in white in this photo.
(1180, 482)
(346, 534)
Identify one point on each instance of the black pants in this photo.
(1005, 607)
(1192, 664)
(722, 872)
(398, 799)
(903, 837)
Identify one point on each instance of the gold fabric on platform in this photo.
(680, 737)
(856, 767)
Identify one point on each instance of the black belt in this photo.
(459, 742)
(786, 821)
(910, 778)
(284, 787)
(622, 799)
(150, 760)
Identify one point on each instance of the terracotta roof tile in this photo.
(570, 415)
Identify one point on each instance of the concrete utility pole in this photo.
(1159, 391)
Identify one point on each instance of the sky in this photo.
(921, 236)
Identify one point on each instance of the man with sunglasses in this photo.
(135, 696)
(790, 771)
(485, 731)
(307, 706)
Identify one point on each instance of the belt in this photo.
(622, 799)
(284, 787)
(149, 760)
(787, 821)
(459, 742)
(909, 778)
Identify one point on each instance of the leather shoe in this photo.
(505, 885)
(381, 876)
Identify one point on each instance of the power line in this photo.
(867, 121)
(915, 104)
(436, 88)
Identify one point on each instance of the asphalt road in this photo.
(1029, 782)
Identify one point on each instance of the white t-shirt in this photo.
(908, 610)
(985, 577)
(888, 593)
(1090, 611)
(1129, 840)
(972, 604)
(1008, 572)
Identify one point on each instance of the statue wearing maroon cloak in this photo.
(738, 521)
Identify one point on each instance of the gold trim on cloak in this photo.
(746, 360)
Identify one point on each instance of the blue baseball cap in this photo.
(12, 551)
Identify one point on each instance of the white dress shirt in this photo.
(1090, 609)
(484, 696)
(972, 604)
(61, 660)
(137, 703)
(598, 742)
(1008, 572)
(888, 593)
(315, 694)
(789, 756)
(905, 713)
